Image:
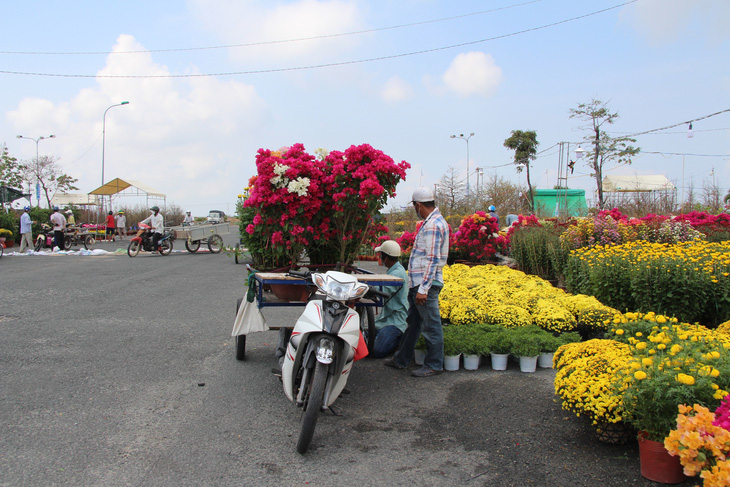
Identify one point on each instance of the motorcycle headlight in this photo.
(339, 291)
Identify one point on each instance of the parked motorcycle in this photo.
(45, 239)
(322, 348)
(143, 241)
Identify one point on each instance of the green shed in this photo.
(560, 202)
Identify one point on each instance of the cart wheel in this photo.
(89, 242)
(367, 325)
(192, 246)
(215, 244)
(165, 247)
(133, 248)
(240, 339)
(237, 252)
(68, 242)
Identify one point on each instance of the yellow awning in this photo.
(116, 185)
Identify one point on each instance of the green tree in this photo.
(10, 170)
(525, 146)
(606, 149)
(47, 171)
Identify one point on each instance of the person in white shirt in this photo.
(59, 225)
(188, 219)
(121, 222)
(157, 222)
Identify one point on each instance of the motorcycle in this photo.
(45, 239)
(323, 345)
(143, 241)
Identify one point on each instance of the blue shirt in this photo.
(395, 310)
(25, 223)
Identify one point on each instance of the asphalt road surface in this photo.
(121, 371)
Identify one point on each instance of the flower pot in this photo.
(290, 292)
(656, 462)
(545, 360)
(451, 362)
(528, 364)
(499, 361)
(615, 433)
(471, 362)
(419, 356)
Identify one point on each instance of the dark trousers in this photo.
(58, 236)
(156, 241)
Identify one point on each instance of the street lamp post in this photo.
(36, 161)
(103, 137)
(466, 138)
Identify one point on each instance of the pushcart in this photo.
(276, 289)
(209, 234)
(78, 236)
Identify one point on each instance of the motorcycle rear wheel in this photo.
(165, 247)
(133, 248)
(313, 406)
(38, 245)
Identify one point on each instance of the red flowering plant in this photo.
(326, 206)
(359, 182)
(287, 198)
(715, 227)
(523, 222)
(478, 239)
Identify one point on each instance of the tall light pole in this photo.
(462, 136)
(103, 137)
(36, 161)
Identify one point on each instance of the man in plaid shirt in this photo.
(425, 280)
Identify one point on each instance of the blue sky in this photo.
(656, 62)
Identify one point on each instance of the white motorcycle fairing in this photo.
(305, 342)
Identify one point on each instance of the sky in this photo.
(209, 82)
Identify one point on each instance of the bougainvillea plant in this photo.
(478, 237)
(327, 206)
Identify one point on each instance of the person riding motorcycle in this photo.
(157, 222)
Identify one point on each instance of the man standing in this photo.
(425, 280)
(391, 322)
(157, 222)
(121, 221)
(26, 230)
(59, 225)
(493, 213)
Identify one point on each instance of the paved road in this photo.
(119, 371)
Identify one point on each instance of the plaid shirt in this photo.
(430, 250)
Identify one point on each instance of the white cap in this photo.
(389, 247)
(423, 194)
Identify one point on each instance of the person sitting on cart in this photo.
(391, 322)
(70, 219)
(157, 222)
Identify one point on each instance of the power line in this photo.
(281, 41)
(680, 123)
(324, 65)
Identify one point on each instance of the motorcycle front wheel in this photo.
(38, 245)
(165, 247)
(133, 248)
(312, 406)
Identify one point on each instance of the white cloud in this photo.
(395, 90)
(664, 21)
(473, 73)
(182, 137)
(257, 21)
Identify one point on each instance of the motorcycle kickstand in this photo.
(335, 410)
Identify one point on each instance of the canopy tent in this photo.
(8, 194)
(75, 199)
(636, 183)
(135, 188)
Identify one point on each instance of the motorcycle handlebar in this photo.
(302, 274)
(376, 292)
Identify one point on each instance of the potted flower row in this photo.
(529, 343)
